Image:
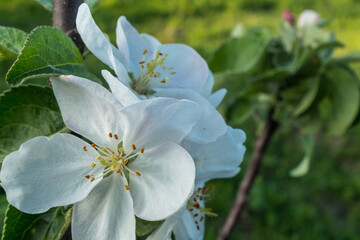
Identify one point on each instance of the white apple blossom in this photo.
(308, 18)
(220, 159)
(134, 166)
(151, 69)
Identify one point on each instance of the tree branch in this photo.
(64, 16)
(252, 171)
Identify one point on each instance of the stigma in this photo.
(115, 159)
(152, 72)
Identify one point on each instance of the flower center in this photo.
(115, 160)
(196, 204)
(152, 72)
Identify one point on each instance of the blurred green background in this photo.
(324, 204)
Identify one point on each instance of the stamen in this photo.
(93, 145)
(121, 150)
(93, 165)
(165, 80)
(145, 51)
(110, 135)
(142, 62)
(170, 68)
(138, 174)
(92, 179)
(125, 161)
(142, 150)
(172, 73)
(85, 148)
(133, 147)
(116, 137)
(127, 187)
(87, 176)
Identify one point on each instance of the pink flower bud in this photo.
(289, 17)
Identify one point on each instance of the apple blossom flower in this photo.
(219, 159)
(133, 167)
(308, 18)
(151, 69)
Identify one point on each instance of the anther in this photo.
(92, 179)
(197, 227)
(142, 62)
(196, 205)
(118, 171)
(133, 147)
(165, 80)
(138, 174)
(87, 176)
(195, 215)
(85, 148)
(105, 148)
(125, 161)
(172, 73)
(121, 149)
(110, 134)
(116, 137)
(127, 187)
(145, 51)
(93, 165)
(202, 218)
(191, 209)
(142, 150)
(170, 68)
(160, 54)
(93, 145)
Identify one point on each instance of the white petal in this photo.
(166, 181)
(88, 108)
(121, 92)
(210, 126)
(107, 213)
(166, 228)
(130, 44)
(152, 41)
(220, 159)
(216, 98)
(154, 121)
(48, 172)
(186, 229)
(94, 39)
(209, 84)
(191, 69)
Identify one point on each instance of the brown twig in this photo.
(64, 16)
(252, 170)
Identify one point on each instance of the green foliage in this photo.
(47, 4)
(47, 226)
(344, 97)
(11, 42)
(27, 112)
(47, 52)
(144, 228)
(240, 54)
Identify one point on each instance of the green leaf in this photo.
(47, 226)
(11, 41)
(309, 97)
(144, 228)
(47, 52)
(242, 53)
(27, 112)
(344, 98)
(303, 167)
(349, 58)
(47, 4)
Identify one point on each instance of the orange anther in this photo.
(142, 62)
(93, 145)
(138, 174)
(133, 147)
(127, 187)
(92, 179)
(87, 176)
(142, 150)
(116, 137)
(85, 148)
(110, 134)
